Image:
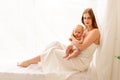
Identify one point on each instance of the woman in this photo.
(52, 58)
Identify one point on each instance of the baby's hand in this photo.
(70, 39)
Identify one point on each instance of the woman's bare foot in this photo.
(26, 63)
(23, 64)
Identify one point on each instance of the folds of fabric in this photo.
(53, 62)
(107, 66)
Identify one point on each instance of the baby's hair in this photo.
(79, 25)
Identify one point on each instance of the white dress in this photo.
(53, 62)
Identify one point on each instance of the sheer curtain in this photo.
(27, 26)
(107, 65)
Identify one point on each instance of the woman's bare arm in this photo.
(88, 40)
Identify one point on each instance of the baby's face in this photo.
(78, 31)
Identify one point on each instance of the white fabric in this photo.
(13, 72)
(33, 72)
(107, 66)
(53, 61)
(27, 26)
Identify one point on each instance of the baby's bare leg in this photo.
(68, 52)
(75, 53)
(26, 63)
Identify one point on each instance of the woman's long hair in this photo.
(91, 13)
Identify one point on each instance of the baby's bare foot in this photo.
(65, 56)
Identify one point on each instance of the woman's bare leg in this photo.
(26, 63)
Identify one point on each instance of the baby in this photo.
(72, 50)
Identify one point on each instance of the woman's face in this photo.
(87, 20)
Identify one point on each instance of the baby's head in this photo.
(78, 31)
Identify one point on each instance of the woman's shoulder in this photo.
(95, 31)
(96, 35)
(92, 33)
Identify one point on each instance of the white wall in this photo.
(27, 26)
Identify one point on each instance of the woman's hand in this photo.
(73, 38)
(75, 42)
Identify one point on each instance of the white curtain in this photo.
(107, 64)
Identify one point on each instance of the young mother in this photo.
(52, 58)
